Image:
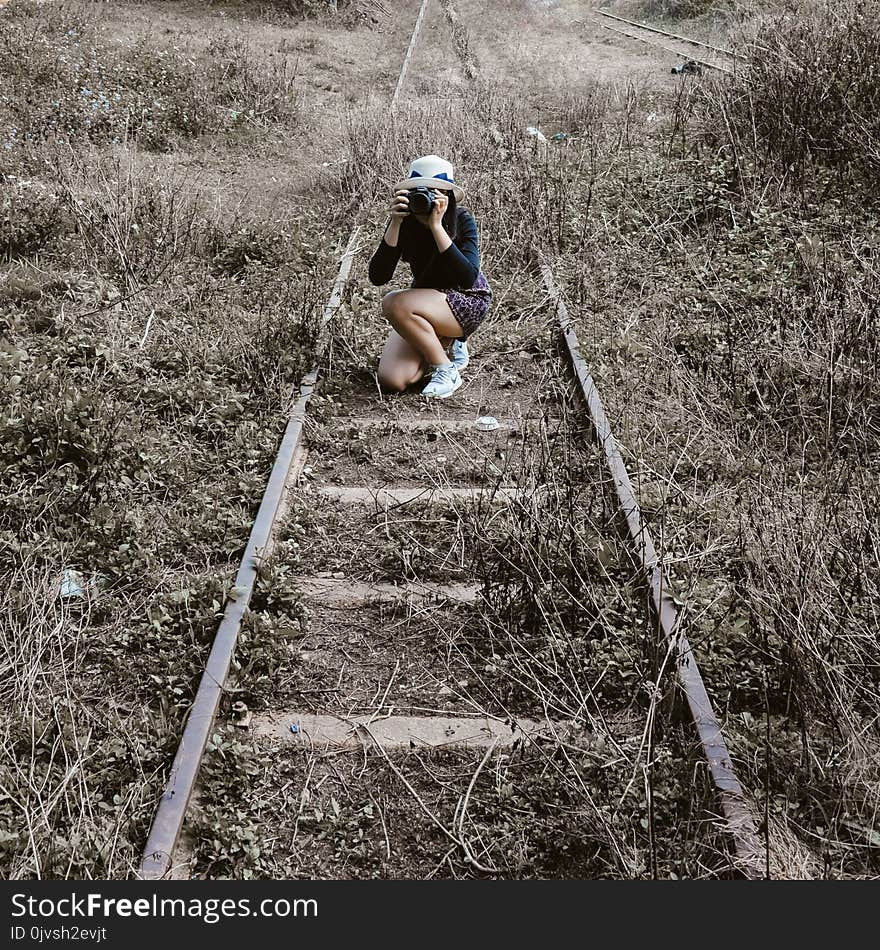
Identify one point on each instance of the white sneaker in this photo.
(444, 381)
(460, 356)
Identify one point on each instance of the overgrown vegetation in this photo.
(723, 261)
(530, 813)
(719, 246)
(149, 345)
(62, 75)
(618, 792)
(744, 373)
(558, 633)
(809, 100)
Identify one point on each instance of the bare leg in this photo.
(423, 318)
(400, 365)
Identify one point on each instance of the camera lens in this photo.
(421, 200)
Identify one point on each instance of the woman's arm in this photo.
(462, 259)
(384, 261)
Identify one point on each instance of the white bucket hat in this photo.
(430, 171)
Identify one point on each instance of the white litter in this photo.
(71, 585)
(487, 423)
(536, 133)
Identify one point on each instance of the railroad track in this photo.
(402, 659)
(704, 55)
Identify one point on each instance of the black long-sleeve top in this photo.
(456, 268)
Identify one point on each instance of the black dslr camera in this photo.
(421, 200)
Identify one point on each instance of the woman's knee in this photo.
(391, 380)
(390, 374)
(394, 306)
(388, 304)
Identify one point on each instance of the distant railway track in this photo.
(647, 34)
(340, 725)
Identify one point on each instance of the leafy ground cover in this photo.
(727, 286)
(149, 342)
(718, 244)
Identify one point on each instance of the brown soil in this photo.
(394, 456)
(413, 542)
(496, 385)
(386, 656)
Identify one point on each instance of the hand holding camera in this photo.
(421, 200)
(428, 205)
(428, 202)
(400, 205)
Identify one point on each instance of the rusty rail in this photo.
(408, 56)
(669, 49)
(171, 812)
(737, 818)
(674, 36)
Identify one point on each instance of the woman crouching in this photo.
(449, 296)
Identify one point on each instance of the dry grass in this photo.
(728, 291)
(721, 251)
(150, 341)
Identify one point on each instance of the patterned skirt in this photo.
(470, 306)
